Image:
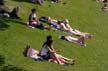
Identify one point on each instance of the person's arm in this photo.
(51, 49)
(30, 18)
(68, 26)
(64, 27)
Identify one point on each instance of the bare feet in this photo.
(81, 41)
(72, 61)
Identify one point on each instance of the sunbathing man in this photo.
(79, 41)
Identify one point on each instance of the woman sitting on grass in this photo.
(33, 21)
(48, 53)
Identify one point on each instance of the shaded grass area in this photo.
(8, 67)
(84, 15)
(3, 24)
(21, 0)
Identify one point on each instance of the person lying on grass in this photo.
(12, 14)
(56, 1)
(80, 41)
(64, 26)
(32, 53)
(48, 53)
(105, 8)
(40, 2)
(104, 1)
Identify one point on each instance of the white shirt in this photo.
(44, 50)
(32, 53)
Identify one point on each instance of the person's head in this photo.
(59, 22)
(33, 10)
(26, 49)
(66, 21)
(28, 46)
(49, 39)
(62, 37)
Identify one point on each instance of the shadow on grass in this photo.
(17, 21)
(2, 60)
(21, 0)
(8, 67)
(3, 24)
(11, 68)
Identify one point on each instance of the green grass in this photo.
(84, 15)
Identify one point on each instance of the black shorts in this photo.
(46, 57)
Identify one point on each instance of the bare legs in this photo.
(76, 32)
(63, 60)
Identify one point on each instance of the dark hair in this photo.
(33, 10)
(59, 22)
(49, 37)
(25, 50)
(62, 37)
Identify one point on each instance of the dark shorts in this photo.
(46, 57)
(40, 26)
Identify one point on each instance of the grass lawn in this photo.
(85, 15)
